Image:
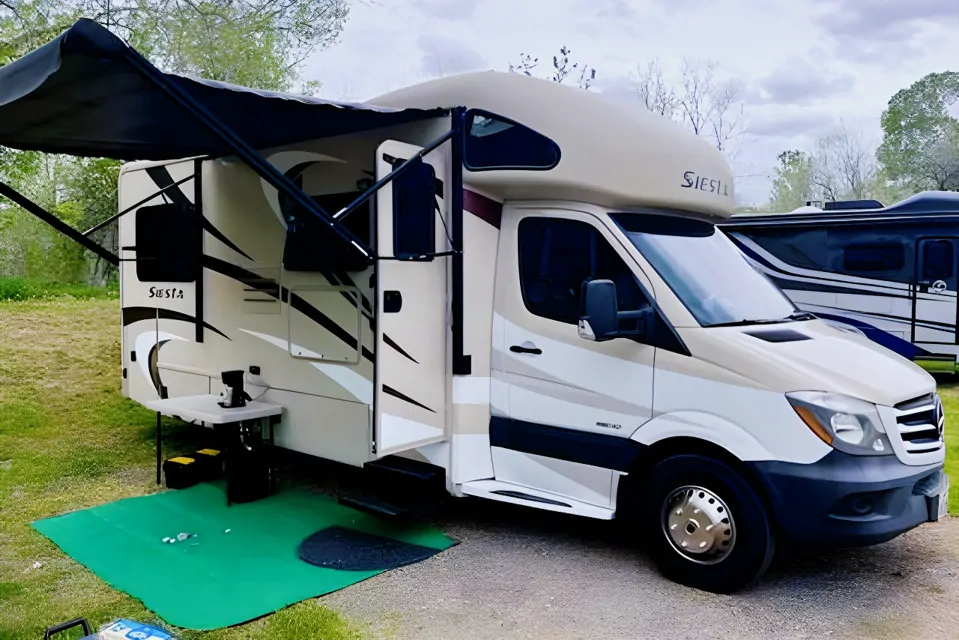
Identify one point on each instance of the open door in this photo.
(934, 303)
(412, 332)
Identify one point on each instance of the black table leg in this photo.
(159, 451)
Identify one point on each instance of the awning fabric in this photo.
(81, 94)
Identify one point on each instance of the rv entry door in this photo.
(412, 331)
(934, 293)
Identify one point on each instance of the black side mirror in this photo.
(601, 321)
(602, 314)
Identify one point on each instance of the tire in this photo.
(736, 550)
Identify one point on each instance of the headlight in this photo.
(845, 423)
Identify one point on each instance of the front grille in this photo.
(920, 422)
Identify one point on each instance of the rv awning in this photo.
(88, 93)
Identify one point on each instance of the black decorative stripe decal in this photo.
(254, 281)
(388, 340)
(153, 361)
(390, 391)
(161, 178)
(594, 449)
(135, 314)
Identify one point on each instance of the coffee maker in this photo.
(233, 395)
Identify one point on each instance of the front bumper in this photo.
(845, 501)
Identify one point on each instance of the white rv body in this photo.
(550, 415)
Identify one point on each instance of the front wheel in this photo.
(706, 527)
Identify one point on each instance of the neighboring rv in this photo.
(890, 273)
(522, 294)
(624, 357)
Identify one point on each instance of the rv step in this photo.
(374, 506)
(516, 494)
(406, 467)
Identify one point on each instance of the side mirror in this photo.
(601, 321)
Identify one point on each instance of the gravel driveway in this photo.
(520, 573)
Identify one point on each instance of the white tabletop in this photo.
(206, 409)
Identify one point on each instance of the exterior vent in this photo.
(779, 335)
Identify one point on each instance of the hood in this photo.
(812, 356)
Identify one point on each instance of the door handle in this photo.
(516, 348)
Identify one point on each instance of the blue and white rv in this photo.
(889, 273)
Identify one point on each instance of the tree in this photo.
(792, 184)
(563, 68)
(844, 166)
(920, 139)
(699, 100)
(256, 43)
(654, 91)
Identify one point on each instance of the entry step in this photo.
(374, 506)
(518, 494)
(406, 467)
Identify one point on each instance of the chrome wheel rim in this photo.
(698, 525)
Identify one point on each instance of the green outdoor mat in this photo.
(216, 579)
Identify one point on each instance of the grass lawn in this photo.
(68, 440)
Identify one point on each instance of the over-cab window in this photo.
(557, 255)
(493, 142)
(167, 243)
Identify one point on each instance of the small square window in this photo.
(167, 244)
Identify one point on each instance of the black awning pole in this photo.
(132, 207)
(246, 153)
(31, 207)
(353, 206)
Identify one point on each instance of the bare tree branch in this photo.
(654, 91)
(844, 165)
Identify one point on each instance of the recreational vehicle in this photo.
(514, 283)
(889, 273)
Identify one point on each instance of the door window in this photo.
(557, 255)
(938, 261)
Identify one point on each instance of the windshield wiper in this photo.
(743, 323)
(801, 315)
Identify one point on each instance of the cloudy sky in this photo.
(803, 64)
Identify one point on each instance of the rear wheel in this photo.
(706, 528)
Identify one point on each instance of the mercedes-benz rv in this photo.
(889, 273)
(615, 354)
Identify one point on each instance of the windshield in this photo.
(706, 270)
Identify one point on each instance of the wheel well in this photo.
(663, 449)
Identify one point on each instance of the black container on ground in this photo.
(248, 464)
(181, 472)
(209, 464)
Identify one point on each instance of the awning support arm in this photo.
(395, 173)
(246, 153)
(131, 208)
(31, 207)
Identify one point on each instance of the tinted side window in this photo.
(167, 244)
(874, 256)
(557, 255)
(800, 248)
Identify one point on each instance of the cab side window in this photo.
(557, 255)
